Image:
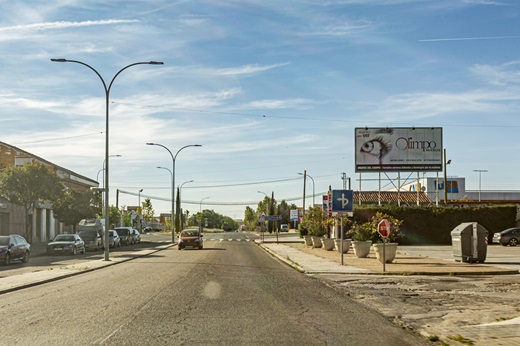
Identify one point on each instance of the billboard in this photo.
(398, 149)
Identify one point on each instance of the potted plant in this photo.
(346, 239)
(362, 238)
(390, 245)
(303, 229)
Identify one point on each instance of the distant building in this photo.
(12, 217)
(456, 193)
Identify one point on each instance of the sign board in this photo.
(273, 217)
(383, 227)
(398, 149)
(294, 215)
(342, 202)
(261, 218)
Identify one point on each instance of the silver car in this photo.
(113, 239)
(510, 236)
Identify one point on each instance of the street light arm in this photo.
(160, 145)
(186, 146)
(90, 67)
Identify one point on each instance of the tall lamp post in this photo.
(180, 200)
(313, 190)
(480, 171)
(174, 157)
(107, 102)
(200, 212)
(139, 209)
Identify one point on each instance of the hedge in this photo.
(433, 225)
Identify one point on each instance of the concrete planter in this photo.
(328, 244)
(346, 245)
(390, 252)
(308, 240)
(361, 248)
(316, 242)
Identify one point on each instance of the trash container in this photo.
(469, 241)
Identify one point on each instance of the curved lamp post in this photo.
(107, 102)
(174, 157)
(180, 199)
(200, 211)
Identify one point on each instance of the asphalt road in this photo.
(230, 293)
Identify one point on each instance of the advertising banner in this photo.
(398, 149)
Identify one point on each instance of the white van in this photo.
(284, 228)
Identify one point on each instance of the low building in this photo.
(12, 217)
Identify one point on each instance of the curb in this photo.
(372, 273)
(284, 260)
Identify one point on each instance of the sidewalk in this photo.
(319, 261)
(16, 282)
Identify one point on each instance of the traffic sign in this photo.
(273, 217)
(342, 200)
(383, 227)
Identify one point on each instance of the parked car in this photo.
(510, 236)
(190, 238)
(284, 228)
(92, 240)
(66, 243)
(113, 239)
(125, 233)
(14, 247)
(136, 236)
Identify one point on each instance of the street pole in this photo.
(107, 103)
(140, 210)
(200, 212)
(263, 223)
(180, 200)
(313, 190)
(174, 157)
(480, 171)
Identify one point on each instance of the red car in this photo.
(190, 238)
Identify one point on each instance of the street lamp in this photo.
(107, 102)
(480, 171)
(313, 193)
(180, 200)
(173, 178)
(139, 209)
(171, 173)
(200, 212)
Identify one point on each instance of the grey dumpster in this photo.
(469, 241)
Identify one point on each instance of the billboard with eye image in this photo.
(398, 149)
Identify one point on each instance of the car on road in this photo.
(14, 247)
(284, 228)
(92, 240)
(113, 239)
(136, 236)
(125, 233)
(66, 244)
(190, 238)
(510, 236)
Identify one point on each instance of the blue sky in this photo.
(268, 88)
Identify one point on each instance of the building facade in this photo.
(44, 225)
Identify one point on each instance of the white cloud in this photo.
(507, 73)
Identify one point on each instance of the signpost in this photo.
(383, 228)
(262, 220)
(341, 203)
